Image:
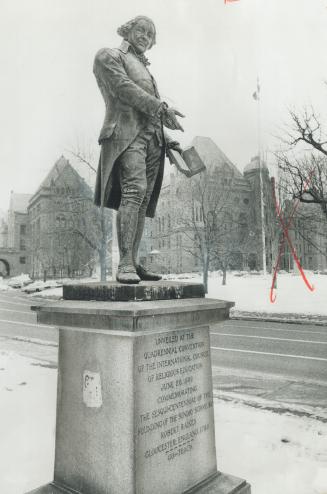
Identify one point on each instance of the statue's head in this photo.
(140, 32)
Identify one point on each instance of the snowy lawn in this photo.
(251, 293)
(27, 411)
(274, 453)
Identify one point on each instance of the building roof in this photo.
(255, 165)
(212, 155)
(55, 172)
(19, 202)
(61, 168)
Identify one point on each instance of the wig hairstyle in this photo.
(125, 28)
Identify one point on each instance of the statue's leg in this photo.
(139, 232)
(153, 159)
(133, 183)
(127, 217)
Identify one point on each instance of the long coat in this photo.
(132, 100)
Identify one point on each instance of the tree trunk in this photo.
(224, 275)
(205, 274)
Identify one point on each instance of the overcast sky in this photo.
(206, 61)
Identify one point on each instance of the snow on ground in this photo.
(52, 293)
(27, 411)
(4, 284)
(274, 453)
(251, 293)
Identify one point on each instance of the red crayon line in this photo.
(285, 228)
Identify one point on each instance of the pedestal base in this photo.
(146, 290)
(135, 403)
(220, 484)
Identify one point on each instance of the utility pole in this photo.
(257, 97)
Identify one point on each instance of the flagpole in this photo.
(263, 228)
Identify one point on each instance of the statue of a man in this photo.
(133, 143)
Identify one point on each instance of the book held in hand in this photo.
(188, 163)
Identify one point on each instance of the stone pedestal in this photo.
(135, 403)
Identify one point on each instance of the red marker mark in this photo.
(285, 228)
(230, 1)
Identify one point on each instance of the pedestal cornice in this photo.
(134, 316)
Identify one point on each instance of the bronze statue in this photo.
(133, 142)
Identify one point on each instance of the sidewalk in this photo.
(289, 317)
(273, 393)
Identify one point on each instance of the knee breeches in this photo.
(138, 169)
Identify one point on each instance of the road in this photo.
(297, 351)
(17, 319)
(252, 357)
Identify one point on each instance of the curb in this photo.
(272, 406)
(288, 318)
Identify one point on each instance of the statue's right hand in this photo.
(170, 121)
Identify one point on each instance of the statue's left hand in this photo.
(176, 146)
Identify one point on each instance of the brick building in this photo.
(14, 249)
(63, 224)
(308, 234)
(168, 242)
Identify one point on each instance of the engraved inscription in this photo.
(173, 367)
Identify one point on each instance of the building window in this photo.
(61, 221)
(22, 260)
(22, 244)
(23, 229)
(246, 200)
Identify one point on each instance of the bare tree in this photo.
(100, 243)
(303, 163)
(306, 128)
(64, 226)
(302, 167)
(211, 233)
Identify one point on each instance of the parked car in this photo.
(36, 286)
(39, 286)
(19, 281)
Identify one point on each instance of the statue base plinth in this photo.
(121, 292)
(220, 484)
(135, 401)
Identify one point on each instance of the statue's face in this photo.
(141, 35)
